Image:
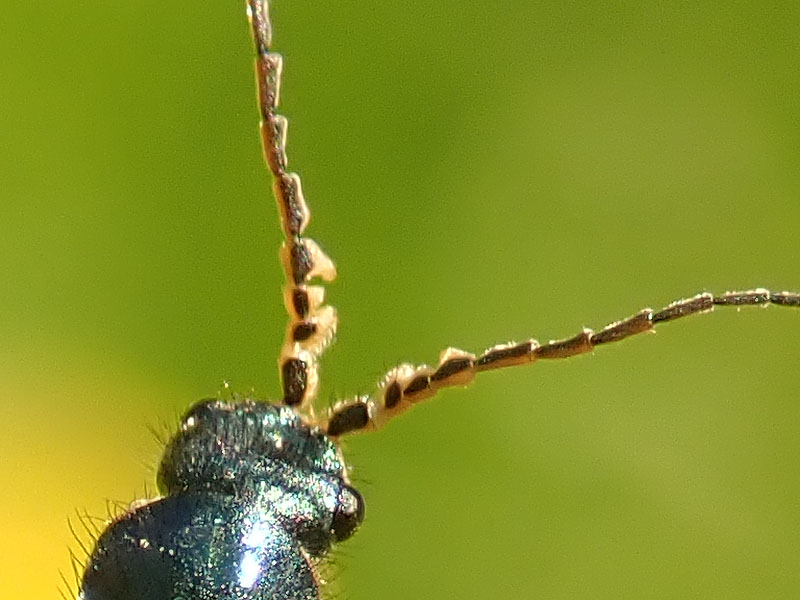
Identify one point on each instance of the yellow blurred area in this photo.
(54, 403)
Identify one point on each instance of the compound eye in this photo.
(349, 513)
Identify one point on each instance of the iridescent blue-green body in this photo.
(252, 499)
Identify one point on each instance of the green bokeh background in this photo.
(480, 172)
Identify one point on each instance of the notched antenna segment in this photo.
(295, 374)
(303, 260)
(506, 355)
(683, 308)
(573, 346)
(294, 211)
(269, 68)
(638, 323)
(456, 367)
(303, 300)
(349, 417)
(785, 299)
(749, 298)
(258, 14)
(273, 130)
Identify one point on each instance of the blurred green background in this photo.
(480, 172)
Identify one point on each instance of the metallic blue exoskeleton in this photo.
(252, 499)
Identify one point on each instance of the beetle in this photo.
(551, 324)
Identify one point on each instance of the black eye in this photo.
(349, 513)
